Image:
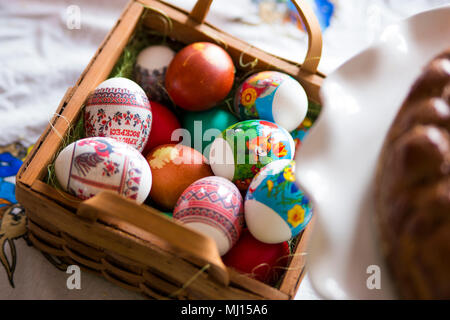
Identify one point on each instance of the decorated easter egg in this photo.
(150, 71)
(118, 108)
(214, 207)
(174, 167)
(265, 262)
(272, 96)
(91, 165)
(275, 209)
(200, 76)
(300, 133)
(205, 126)
(240, 151)
(164, 124)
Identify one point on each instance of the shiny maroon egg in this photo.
(200, 76)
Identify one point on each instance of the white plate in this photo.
(337, 161)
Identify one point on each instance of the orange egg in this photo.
(199, 76)
(174, 167)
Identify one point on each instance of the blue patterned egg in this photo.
(275, 209)
(272, 96)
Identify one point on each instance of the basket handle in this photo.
(312, 26)
(194, 246)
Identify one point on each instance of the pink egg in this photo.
(118, 108)
(214, 207)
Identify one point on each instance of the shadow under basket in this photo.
(132, 245)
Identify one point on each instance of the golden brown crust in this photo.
(413, 187)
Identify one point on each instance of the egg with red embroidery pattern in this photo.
(214, 207)
(91, 165)
(118, 108)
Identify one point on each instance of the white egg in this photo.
(150, 70)
(91, 165)
(118, 108)
(290, 104)
(221, 158)
(265, 224)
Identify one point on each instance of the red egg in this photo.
(262, 261)
(199, 76)
(165, 122)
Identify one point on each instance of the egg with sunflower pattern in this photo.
(242, 149)
(272, 96)
(276, 210)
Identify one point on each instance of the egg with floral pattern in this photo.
(241, 150)
(276, 210)
(214, 207)
(118, 108)
(91, 165)
(300, 133)
(272, 96)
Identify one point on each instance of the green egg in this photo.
(167, 214)
(204, 126)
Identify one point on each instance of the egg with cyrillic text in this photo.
(118, 108)
(91, 165)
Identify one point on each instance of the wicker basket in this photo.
(135, 246)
